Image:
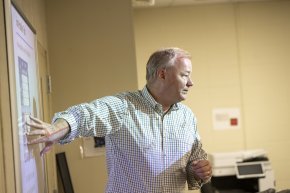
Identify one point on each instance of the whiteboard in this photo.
(25, 100)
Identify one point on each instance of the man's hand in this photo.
(202, 170)
(48, 133)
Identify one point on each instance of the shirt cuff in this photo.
(71, 135)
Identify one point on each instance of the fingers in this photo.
(36, 120)
(47, 148)
(202, 169)
(201, 164)
(36, 132)
(206, 175)
(35, 125)
(45, 136)
(37, 140)
(39, 127)
(44, 130)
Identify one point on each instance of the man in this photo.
(152, 143)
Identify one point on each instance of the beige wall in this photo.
(240, 55)
(3, 88)
(92, 54)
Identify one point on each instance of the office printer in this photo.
(240, 172)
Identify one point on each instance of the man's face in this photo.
(178, 81)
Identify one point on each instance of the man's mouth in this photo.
(184, 91)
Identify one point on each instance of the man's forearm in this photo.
(61, 127)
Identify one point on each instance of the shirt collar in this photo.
(152, 101)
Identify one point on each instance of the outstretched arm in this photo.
(46, 133)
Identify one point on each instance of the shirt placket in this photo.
(160, 117)
(163, 135)
(164, 120)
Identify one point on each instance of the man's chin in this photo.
(183, 97)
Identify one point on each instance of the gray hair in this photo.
(163, 58)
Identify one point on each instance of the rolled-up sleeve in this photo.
(98, 118)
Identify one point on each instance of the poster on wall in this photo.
(226, 118)
(29, 166)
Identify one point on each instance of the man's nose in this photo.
(189, 83)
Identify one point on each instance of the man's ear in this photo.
(161, 73)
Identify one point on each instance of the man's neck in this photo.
(159, 97)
